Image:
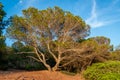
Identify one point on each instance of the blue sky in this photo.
(102, 15)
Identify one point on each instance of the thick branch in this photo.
(68, 62)
(42, 60)
(58, 60)
(48, 46)
(43, 56)
(36, 52)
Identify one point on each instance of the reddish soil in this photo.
(36, 75)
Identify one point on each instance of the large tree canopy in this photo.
(52, 31)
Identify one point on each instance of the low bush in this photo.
(22, 61)
(115, 55)
(3, 61)
(109, 70)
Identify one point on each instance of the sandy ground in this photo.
(36, 75)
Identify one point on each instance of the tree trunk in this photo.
(48, 67)
(57, 63)
(55, 67)
(42, 59)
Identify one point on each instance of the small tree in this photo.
(93, 53)
(52, 32)
(2, 38)
(17, 46)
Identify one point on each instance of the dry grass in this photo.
(36, 75)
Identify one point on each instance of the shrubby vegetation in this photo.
(109, 70)
(3, 60)
(21, 61)
(93, 53)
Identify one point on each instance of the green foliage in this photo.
(2, 44)
(92, 53)
(20, 47)
(49, 23)
(36, 66)
(20, 61)
(101, 40)
(2, 38)
(17, 46)
(3, 59)
(117, 48)
(2, 14)
(115, 55)
(109, 70)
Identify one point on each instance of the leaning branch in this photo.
(68, 62)
(34, 58)
(36, 52)
(48, 46)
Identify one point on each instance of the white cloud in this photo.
(94, 21)
(96, 24)
(93, 13)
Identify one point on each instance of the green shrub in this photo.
(3, 60)
(21, 61)
(115, 55)
(36, 66)
(109, 70)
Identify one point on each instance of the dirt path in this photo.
(36, 75)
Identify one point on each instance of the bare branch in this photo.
(48, 46)
(69, 62)
(34, 58)
(41, 54)
(36, 52)
(70, 57)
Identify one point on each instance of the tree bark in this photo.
(42, 59)
(56, 66)
(57, 61)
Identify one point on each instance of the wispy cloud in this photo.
(93, 13)
(95, 20)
